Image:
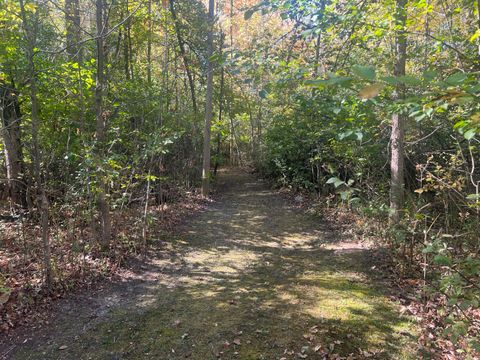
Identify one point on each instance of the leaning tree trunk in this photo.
(102, 203)
(208, 102)
(12, 144)
(397, 186)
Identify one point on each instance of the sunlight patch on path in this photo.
(250, 278)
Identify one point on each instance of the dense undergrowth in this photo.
(433, 271)
(78, 261)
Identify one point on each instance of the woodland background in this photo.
(365, 107)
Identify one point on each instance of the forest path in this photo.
(248, 278)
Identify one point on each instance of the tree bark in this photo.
(149, 44)
(75, 53)
(12, 144)
(127, 56)
(478, 27)
(231, 125)
(72, 27)
(220, 109)
(397, 185)
(316, 70)
(181, 45)
(30, 31)
(208, 102)
(103, 206)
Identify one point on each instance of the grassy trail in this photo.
(248, 278)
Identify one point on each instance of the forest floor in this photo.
(250, 277)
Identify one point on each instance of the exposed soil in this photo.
(251, 277)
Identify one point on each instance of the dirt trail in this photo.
(248, 278)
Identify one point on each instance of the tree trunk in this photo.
(478, 27)
(103, 206)
(149, 44)
(127, 47)
(72, 27)
(12, 144)
(316, 70)
(220, 108)
(232, 128)
(75, 53)
(208, 102)
(397, 186)
(30, 31)
(181, 45)
(259, 133)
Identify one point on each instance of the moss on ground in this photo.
(252, 279)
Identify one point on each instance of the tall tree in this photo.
(397, 160)
(30, 29)
(208, 102)
(100, 116)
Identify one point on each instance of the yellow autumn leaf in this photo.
(475, 36)
(370, 91)
(30, 7)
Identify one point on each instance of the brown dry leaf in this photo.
(370, 91)
(308, 337)
(4, 297)
(63, 347)
(237, 341)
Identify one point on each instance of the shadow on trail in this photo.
(250, 279)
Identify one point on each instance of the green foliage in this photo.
(329, 109)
